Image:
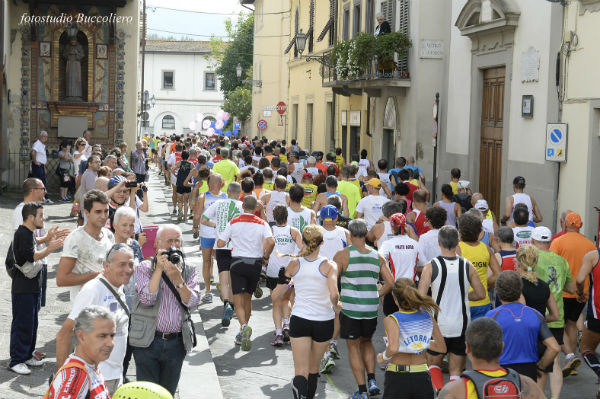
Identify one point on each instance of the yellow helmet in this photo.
(142, 390)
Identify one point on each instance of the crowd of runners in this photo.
(334, 241)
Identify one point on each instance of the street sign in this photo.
(281, 107)
(237, 125)
(556, 142)
(262, 124)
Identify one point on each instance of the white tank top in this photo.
(446, 291)
(333, 241)
(299, 220)
(522, 198)
(284, 244)
(312, 293)
(402, 254)
(363, 168)
(387, 234)
(209, 199)
(277, 197)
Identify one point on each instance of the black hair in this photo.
(436, 216)
(30, 209)
(455, 173)
(447, 191)
(484, 337)
(296, 193)
(382, 164)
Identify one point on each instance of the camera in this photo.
(174, 255)
(131, 184)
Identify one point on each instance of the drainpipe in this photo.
(560, 74)
(143, 62)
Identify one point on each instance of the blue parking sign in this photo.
(550, 152)
(237, 125)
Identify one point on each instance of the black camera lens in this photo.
(174, 258)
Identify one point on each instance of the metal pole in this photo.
(143, 59)
(435, 140)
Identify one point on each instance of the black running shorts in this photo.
(245, 273)
(183, 190)
(318, 331)
(407, 385)
(351, 328)
(271, 282)
(223, 257)
(593, 324)
(573, 308)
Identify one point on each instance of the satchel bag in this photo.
(188, 331)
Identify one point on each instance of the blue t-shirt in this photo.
(417, 171)
(521, 328)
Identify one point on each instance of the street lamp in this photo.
(238, 71)
(153, 101)
(300, 41)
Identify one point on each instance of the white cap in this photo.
(542, 234)
(481, 205)
(464, 184)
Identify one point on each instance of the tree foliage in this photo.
(239, 102)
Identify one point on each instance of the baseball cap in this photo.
(398, 220)
(328, 212)
(573, 220)
(306, 176)
(481, 205)
(542, 234)
(374, 182)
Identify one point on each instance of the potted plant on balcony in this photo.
(360, 54)
(385, 48)
(339, 60)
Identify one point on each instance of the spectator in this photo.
(383, 26)
(39, 159)
(26, 287)
(88, 179)
(86, 247)
(79, 376)
(63, 171)
(138, 163)
(106, 291)
(166, 334)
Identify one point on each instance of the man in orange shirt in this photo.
(572, 246)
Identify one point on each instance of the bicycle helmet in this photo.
(141, 390)
(115, 180)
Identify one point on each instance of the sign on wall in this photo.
(530, 66)
(432, 49)
(556, 142)
(354, 118)
(344, 123)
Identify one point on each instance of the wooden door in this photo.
(492, 113)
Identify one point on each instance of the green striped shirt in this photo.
(359, 295)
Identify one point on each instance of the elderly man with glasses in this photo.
(106, 291)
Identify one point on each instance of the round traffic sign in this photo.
(262, 124)
(281, 107)
(556, 136)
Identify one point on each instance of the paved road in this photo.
(262, 372)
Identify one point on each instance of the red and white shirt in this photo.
(74, 383)
(402, 253)
(246, 233)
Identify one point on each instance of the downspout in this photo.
(560, 81)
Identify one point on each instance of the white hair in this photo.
(379, 15)
(165, 227)
(85, 321)
(124, 211)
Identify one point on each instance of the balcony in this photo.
(367, 65)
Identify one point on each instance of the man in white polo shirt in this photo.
(39, 159)
(252, 242)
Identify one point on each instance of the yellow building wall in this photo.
(305, 82)
(271, 27)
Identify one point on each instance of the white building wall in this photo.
(188, 96)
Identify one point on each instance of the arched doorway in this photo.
(388, 142)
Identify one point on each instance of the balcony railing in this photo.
(372, 72)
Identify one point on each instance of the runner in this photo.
(370, 206)
(299, 216)
(522, 231)
(359, 269)
(450, 277)
(331, 184)
(287, 241)
(402, 255)
(453, 210)
(382, 231)
(218, 215)
(252, 242)
(519, 197)
(315, 304)
(207, 233)
(184, 167)
(428, 245)
(410, 331)
(417, 216)
(275, 197)
(506, 255)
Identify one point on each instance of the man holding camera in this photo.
(161, 329)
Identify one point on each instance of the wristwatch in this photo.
(180, 285)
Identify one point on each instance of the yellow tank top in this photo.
(454, 186)
(203, 188)
(479, 256)
(310, 194)
(489, 215)
(268, 185)
(339, 160)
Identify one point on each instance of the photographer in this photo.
(122, 191)
(161, 329)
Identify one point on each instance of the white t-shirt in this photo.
(40, 152)
(402, 255)
(522, 235)
(385, 179)
(246, 233)
(172, 160)
(221, 212)
(429, 247)
(94, 292)
(370, 206)
(488, 225)
(333, 241)
(312, 170)
(88, 252)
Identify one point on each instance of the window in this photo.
(309, 126)
(346, 31)
(210, 82)
(209, 119)
(370, 16)
(388, 11)
(168, 122)
(356, 20)
(168, 80)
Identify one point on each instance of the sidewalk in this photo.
(197, 365)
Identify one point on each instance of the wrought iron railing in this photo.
(330, 74)
(17, 169)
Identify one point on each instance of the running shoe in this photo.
(246, 343)
(327, 364)
(286, 332)
(37, 355)
(571, 366)
(238, 338)
(333, 351)
(207, 298)
(258, 292)
(212, 280)
(175, 211)
(196, 235)
(278, 340)
(227, 315)
(373, 388)
(359, 395)
(48, 201)
(34, 363)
